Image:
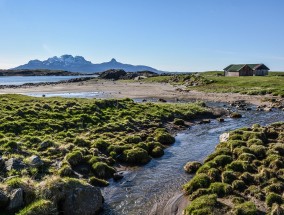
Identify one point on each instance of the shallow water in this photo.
(162, 178)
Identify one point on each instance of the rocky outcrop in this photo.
(114, 74)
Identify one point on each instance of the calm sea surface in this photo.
(19, 80)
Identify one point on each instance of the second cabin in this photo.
(246, 70)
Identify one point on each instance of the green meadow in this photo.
(83, 139)
(215, 82)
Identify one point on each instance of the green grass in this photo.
(214, 81)
(85, 136)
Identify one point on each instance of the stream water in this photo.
(162, 178)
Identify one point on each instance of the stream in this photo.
(161, 179)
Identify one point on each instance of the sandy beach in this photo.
(142, 90)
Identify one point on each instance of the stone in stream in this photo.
(117, 176)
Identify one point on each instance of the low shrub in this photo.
(74, 158)
(246, 208)
(192, 167)
(254, 141)
(221, 189)
(135, 156)
(228, 177)
(98, 182)
(272, 198)
(214, 174)
(199, 181)
(81, 142)
(165, 138)
(157, 152)
(102, 170)
(247, 178)
(65, 171)
(179, 122)
(202, 205)
(259, 151)
(238, 185)
(247, 157)
(42, 206)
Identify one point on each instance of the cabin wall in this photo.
(232, 74)
(261, 72)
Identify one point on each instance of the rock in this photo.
(224, 137)
(117, 176)
(192, 167)
(72, 196)
(114, 74)
(236, 115)
(161, 100)
(220, 119)
(4, 199)
(16, 199)
(204, 121)
(85, 200)
(35, 161)
(45, 144)
(14, 163)
(267, 109)
(2, 163)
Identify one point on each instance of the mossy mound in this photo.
(247, 170)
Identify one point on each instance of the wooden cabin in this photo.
(246, 70)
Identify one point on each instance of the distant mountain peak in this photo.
(113, 60)
(79, 64)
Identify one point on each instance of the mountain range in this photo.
(79, 64)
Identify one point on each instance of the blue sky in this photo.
(180, 35)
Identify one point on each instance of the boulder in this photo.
(72, 196)
(45, 145)
(14, 163)
(4, 199)
(16, 200)
(117, 176)
(224, 137)
(220, 119)
(85, 200)
(35, 161)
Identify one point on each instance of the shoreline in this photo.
(135, 90)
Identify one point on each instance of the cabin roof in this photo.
(238, 67)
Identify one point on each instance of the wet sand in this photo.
(126, 89)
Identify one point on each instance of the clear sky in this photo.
(170, 35)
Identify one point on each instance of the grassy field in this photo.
(214, 82)
(86, 137)
(245, 175)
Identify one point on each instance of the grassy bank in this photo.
(215, 82)
(81, 138)
(243, 176)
